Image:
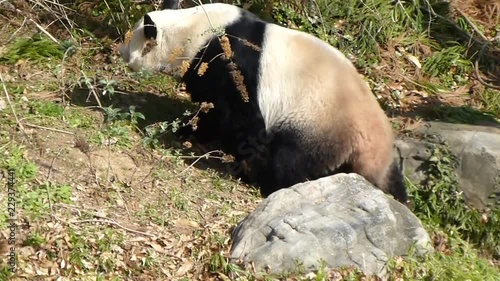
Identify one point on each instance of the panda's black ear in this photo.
(150, 31)
(170, 4)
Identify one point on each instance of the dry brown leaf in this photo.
(413, 59)
(185, 223)
(157, 247)
(184, 269)
(395, 86)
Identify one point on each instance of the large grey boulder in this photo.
(342, 220)
(477, 149)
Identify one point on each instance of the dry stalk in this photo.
(7, 96)
(235, 73)
(112, 222)
(100, 219)
(92, 90)
(198, 158)
(48, 129)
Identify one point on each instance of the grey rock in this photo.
(415, 154)
(477, 149)
(341, 220)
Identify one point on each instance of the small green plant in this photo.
(25, 171)
(219, 263)
(155, 132)
(108, 86)
(179, 201)
(114, 114)
(5, 273)
(34, 239)
(80, 254)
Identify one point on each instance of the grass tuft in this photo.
(36, 49)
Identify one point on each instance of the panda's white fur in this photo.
(310, 113)
(186, 29)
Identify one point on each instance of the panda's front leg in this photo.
(251, 156)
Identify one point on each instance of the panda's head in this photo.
(151, 44)
(164, 40)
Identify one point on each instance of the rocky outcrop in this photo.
(477, 149)
(342, 220)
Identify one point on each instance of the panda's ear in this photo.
(150, 31)
(170, 4)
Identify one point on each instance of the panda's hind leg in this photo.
(394, 183)
(382, 171)
(288, 163)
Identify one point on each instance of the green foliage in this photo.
(36, 200)
(36, 49)
(24, 170)
(461, 263)
(361, 29)
(120, 15)
(219, 263)
(108, 86)
(34, 239)
(46, 109)
(461, 114)
(118, 126)
(80, 249)
(155, 132)
(440, 205)
(356, 26)
(491, 100)
(119, 132)
(5, 273)
(448, 62)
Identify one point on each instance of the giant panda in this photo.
(288, 106)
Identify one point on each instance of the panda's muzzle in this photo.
(123, 51)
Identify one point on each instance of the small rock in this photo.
(342, 220)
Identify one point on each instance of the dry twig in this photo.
(111, 222)
(101, 219)
(48, 129)
(206, 156)
(7, 96)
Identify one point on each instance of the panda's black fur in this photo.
(286, 153)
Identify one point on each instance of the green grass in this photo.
(450, 59)
(461, 115)
(33, 199)
(35, 49)
(491, 101)
(462, 262)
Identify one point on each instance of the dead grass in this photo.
(485, 12)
